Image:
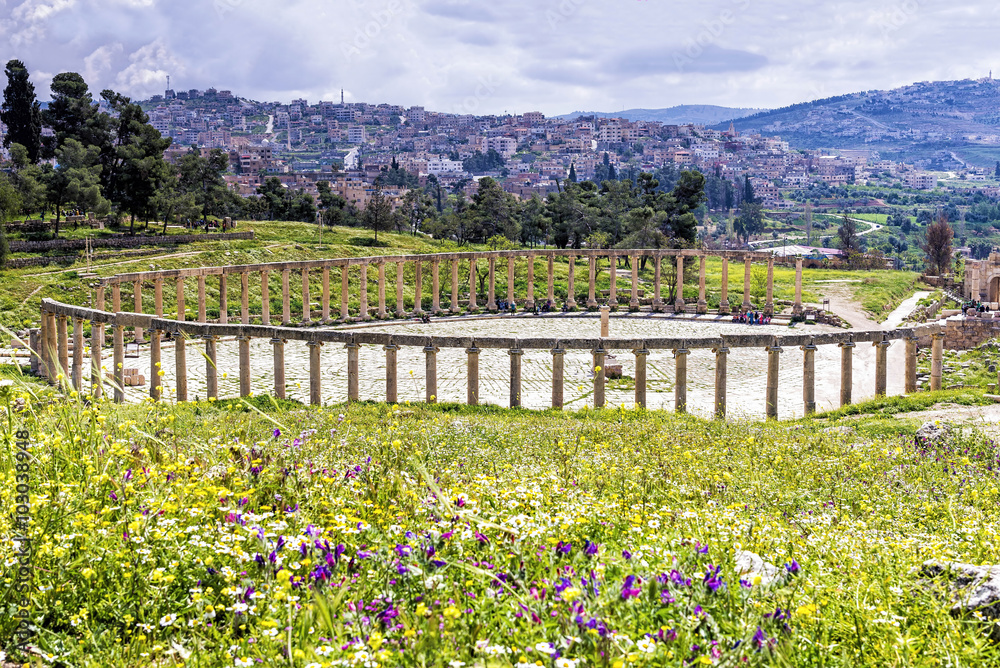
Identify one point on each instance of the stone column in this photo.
(613, 271)
(809, 378)
(391, 374)
(797, 305)
(34, 346)
(119, 361)
(62, 325)
(746, 284)
(510, 281)
(278, 349)
(435, 287)
(491, 303)
(724, 307)
(245, 298)
(55, 359)
(202, 306)
(306, 305)
(846, 372)
(454, 308)
(515, 377)
(155, 365)
(158, 297)
(345, 294)
(78, 354)
(551, 292)
(937, 358)
(529, 304)
(352, 371)
(472, 284)
(472, 387)
(769, 304)
(400, 307)
(382, 314)
(910, 365)
(721, 371)
(431, 351)
(98, 339)
(96, 373)
(592, 287)
(223, 299)
(881, 367)
(702, 302)
(180, 367)
(679, 304)
(640, 376)
(211, 370)
(599, 376)
(265, 299)
(244, 344)
(286, 298)
(116, 298)
(680, 379)
(316, 375)
(773, 353)
(418, 289)
(137, 286)
(605, 322)
(558, 375)
(571, 283)
(325, 295)
(633, 302)
(976, 292)
(657, 300)
(363, 292)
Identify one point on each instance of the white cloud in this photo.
(551, 56)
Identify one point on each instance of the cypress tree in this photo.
(572, 173)
(20, 111)
(748, 194)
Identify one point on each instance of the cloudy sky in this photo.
(479, 56)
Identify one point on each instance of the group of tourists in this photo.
(975, 306)
(752, 318)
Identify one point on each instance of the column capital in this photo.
(881, 344)
(390, 346)
(681, 351)
(473, 350)
(558, 351)
(937, 335)
(431, 349)
(722, 350)
(244, 337)
(515, 351)
(207, 337)
(641, 352)
(276, 341)
(848, 344)
(774, 349)
(349, 346)
(808, 347)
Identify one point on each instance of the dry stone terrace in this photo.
(564, 368)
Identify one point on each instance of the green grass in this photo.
(412, 533)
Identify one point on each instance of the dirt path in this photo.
(146, 258)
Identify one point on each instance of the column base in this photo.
(455, 309)
(702, 307)
(634, 303)
(592, 303)
(680, 306)
(746, 307)
(769, 309)
(571, 303)
(725, 308)
(797, 309)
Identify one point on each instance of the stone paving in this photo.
(746, 371)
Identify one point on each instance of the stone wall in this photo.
(122, 242)
(967, 333)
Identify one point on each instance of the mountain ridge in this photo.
(698, 114)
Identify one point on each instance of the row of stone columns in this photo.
(381, 312)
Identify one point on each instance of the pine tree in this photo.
(21, 112)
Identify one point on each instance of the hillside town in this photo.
(349, 143)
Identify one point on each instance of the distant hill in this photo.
(938, 125)
(699, 114)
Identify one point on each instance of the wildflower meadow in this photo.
(266, 533)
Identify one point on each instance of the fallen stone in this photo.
(751, 565)
(933, 433)
(846, 431)
(974, 589)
